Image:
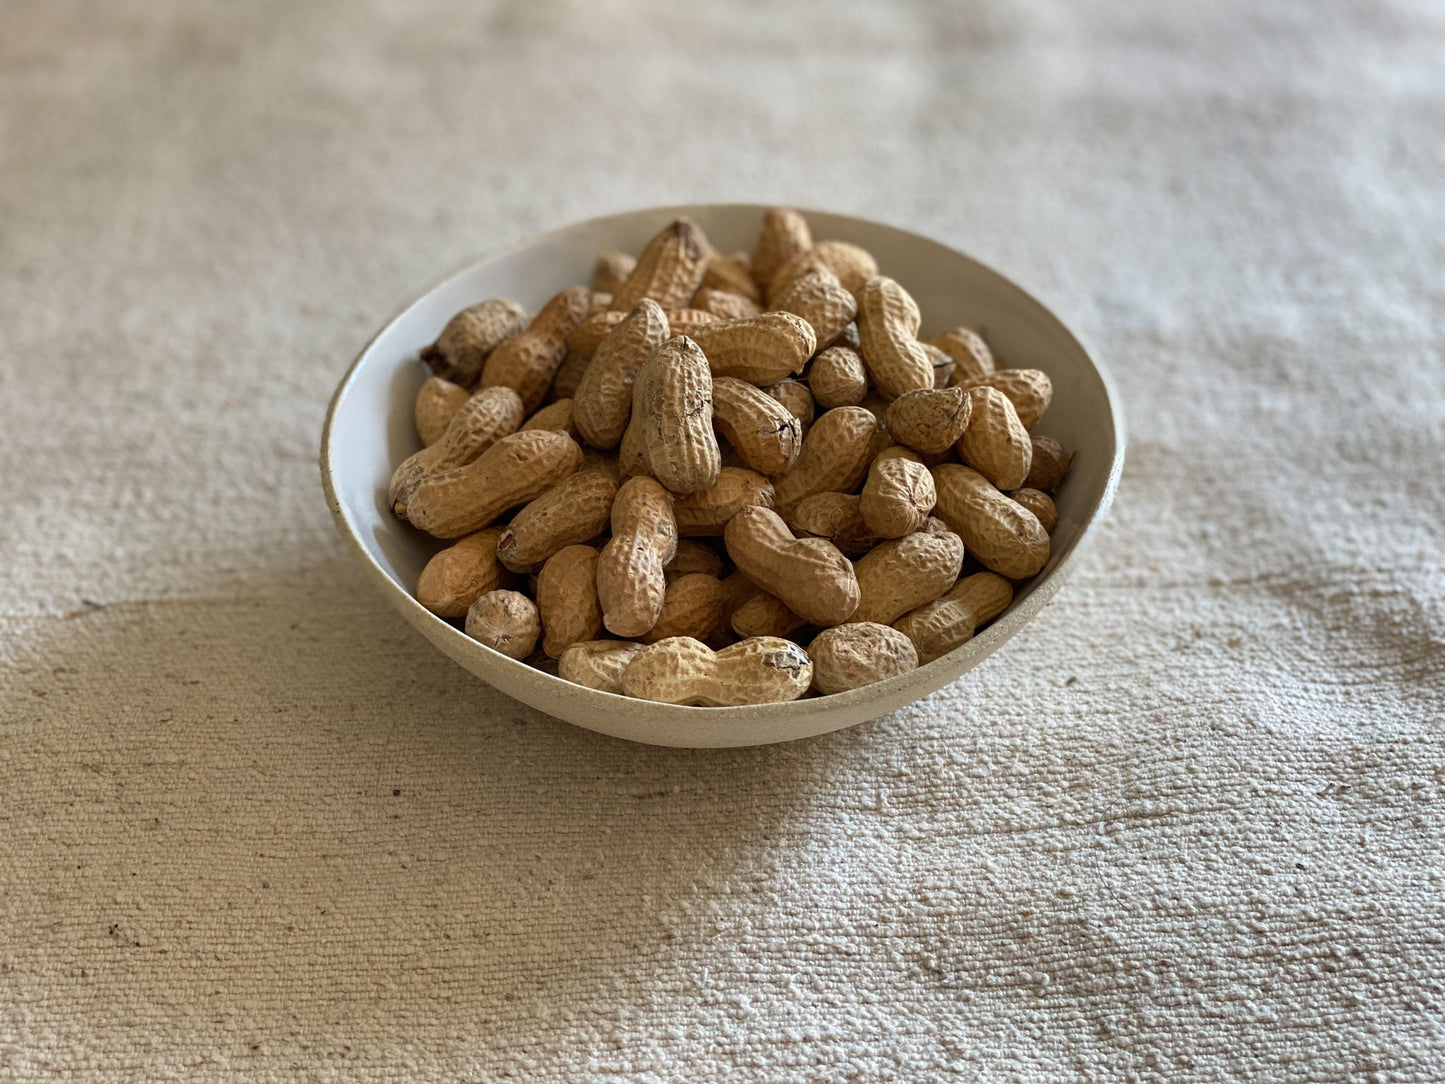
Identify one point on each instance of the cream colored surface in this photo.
(1187, 825)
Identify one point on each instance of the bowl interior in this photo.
(369, 430)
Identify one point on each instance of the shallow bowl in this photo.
(369, 430)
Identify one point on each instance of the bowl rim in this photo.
(928, 678)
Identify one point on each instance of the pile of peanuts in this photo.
(726, 479)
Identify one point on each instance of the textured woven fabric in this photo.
(1188, 825)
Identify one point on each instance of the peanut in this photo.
(901, 574)
(588, 337)
(693, 556)
(859, 653)
(672, 401)
(707, 511)
(730, 274)
(898, 494)
(795, 396)
(603, 403)
(1001, 534)
(669, 269)
(569, 375)
(630, 579)
(835, 456)
(437, 402)
(574, 510)
(597, 664)
(693, 605)
(682, 670)
(516, 469)
(1049, 465)
(996, 444)
(1040, 504)
(484, 419)
(762, 432)
(1029, 390)
(837, 378)
(888, 320)
(725, 305)
(611, 270)
(528, 362)
(810, 575)
(929, 421)
(943, 365)
(505, 621)
(760, 349)
(599, 302)
(784, 234)
(838, 518)
(567, 599)
(462, 573)
(971, 355)
(820, 299)
(765, 615)
(556, 416)
(470, 335)
(851, 264)
(950, 620)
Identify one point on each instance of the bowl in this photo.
(369, 430)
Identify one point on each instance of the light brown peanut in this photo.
(1029, 390)
(950, 620)
(901, 574)
(707, 511)
(859, 653)
(888, 321)
(730, 274)
(574, 510)
(898, 494)
(784, 234)
(682, 670)
(437, 402)
(669, 269)
(505, 621)
(759, 349)
(810, 575)
(597, 664)
(567, 599)
(795, 396)
(611, 270)
(556, 416)
(762, 432)
(528, 362)
(672, 401)
(1050, 462)
(630, 579)
(765, 615)
(1041, 505)
(603, 404)
(1000, 534)
(725, 305)
(838, 517)
(693, 556)
(996, 444)
(484, 419)
(513, 471)
(693, 605)
(852, 265)
(820, 299)
(931, 420)
(462, 573)
(588, 337)
(462, 348)
(971, 355)
(837, 378)
(834, 458)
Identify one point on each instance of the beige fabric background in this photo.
(1188, 826)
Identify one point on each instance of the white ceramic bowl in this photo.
(369, 430)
